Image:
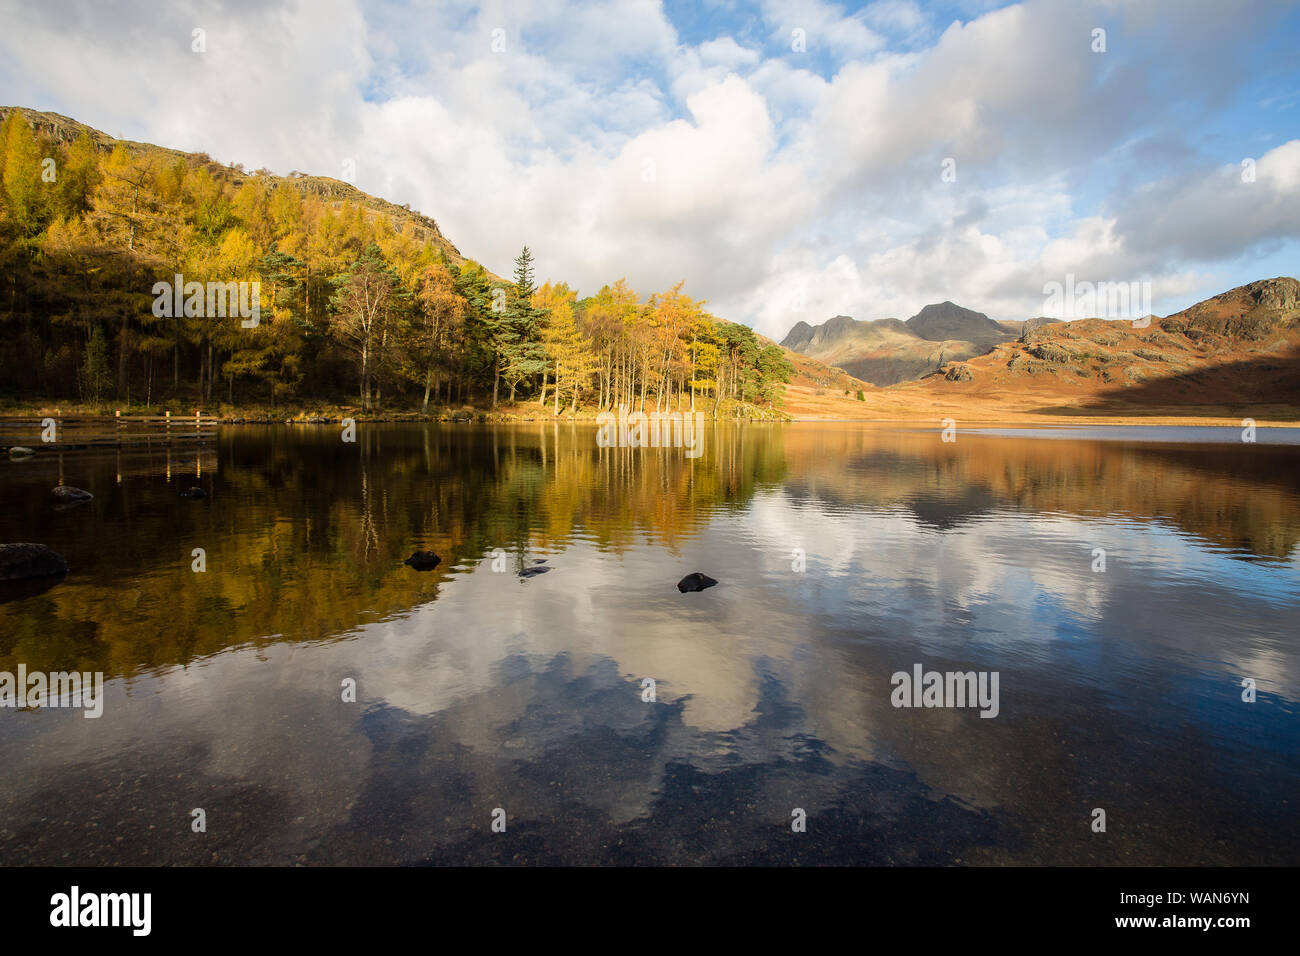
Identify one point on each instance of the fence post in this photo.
(169, 434)
(118, 415)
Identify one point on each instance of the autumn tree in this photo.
(364, 299)
(439, 320)
(568, 350)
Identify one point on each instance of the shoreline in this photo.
(1267, 416)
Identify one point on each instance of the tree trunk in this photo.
(365, 376)
(122, 356)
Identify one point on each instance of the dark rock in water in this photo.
(539, 560)
(423, 560)
(20, 451)
(68, 494)
(532, 572)
(695, 582)
(20, 561)
(194, 493)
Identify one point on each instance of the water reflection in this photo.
(478, 689)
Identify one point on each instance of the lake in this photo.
(322, 703)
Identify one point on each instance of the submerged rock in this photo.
(68, 494)
(20, 561)
(532, 572)
(695, 581)
(195, 492)
(423, 560)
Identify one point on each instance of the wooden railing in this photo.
(83, 431)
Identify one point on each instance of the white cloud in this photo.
(772, 170)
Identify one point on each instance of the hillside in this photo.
(65, 131)
(889, 351)
(303, 291)
(818, 390)
(1237, 349)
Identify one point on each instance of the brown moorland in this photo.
(1232, 356)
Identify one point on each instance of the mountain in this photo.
(889, 351)
(1238, 348)
(840, 333)
(946, 321)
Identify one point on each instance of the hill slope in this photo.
(62, 129)
(1239, 348)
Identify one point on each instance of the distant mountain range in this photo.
(1239, 348)
(889, 351)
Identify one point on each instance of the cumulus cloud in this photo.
(618, 141)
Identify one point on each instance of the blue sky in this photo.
(697, 142)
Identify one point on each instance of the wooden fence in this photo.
(63, 432)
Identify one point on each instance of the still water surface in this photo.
(477, 689)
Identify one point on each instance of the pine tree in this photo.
(521, 352)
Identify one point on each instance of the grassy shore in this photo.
(921, 403)
(900, 405)
(309, 411)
